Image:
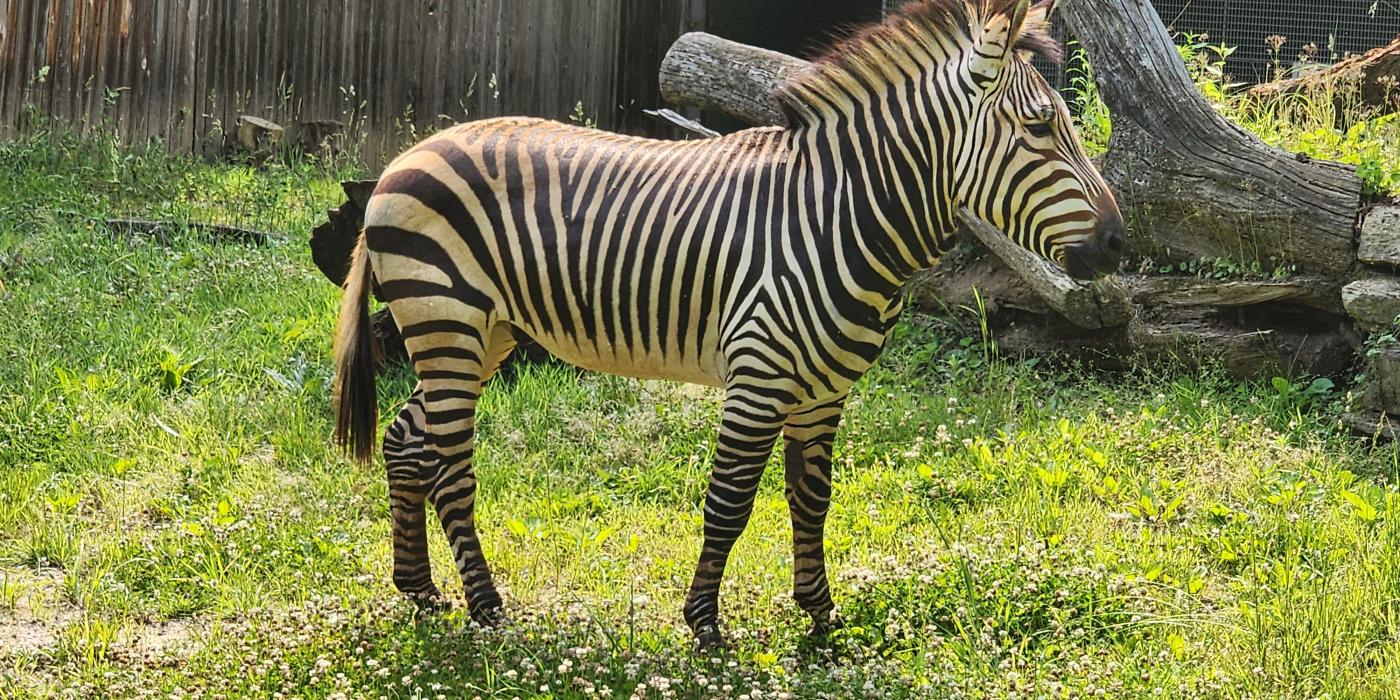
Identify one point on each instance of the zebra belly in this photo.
(624, 362)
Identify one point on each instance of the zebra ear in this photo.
(998, 40)
(1039, 14)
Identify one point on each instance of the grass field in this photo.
(175, 522)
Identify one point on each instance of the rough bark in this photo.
(1191, 183)
(1370, 79)
(705, 71)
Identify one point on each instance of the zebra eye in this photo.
(1039, 129)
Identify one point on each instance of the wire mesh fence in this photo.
(1270, 39)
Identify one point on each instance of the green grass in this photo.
(173, 516)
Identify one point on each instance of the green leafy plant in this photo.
(1091, 115)
(1158, 503)
(174, 370)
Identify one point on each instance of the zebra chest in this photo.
(803, 346)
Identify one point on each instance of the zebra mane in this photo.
(901, 47)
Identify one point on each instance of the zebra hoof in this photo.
(822, 629)
(490, 617)
(429, 601)
(709, 638)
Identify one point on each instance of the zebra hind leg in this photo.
(452, 379)
(410, 473)
(746, 436)
(808, 438)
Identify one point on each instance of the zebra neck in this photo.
(885, 188)
(834, 233)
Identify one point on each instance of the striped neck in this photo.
(887, 165)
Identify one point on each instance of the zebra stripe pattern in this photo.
(769, 263)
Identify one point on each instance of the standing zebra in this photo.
(768, 262)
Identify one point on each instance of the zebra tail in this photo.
(357, 404)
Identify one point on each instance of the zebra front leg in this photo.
(746, 436)
(808, 437)
(410, 473)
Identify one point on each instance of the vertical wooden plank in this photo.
(103, 109)
(236, 56)
(18, 55)
(13, 45)
(43, 91)
(156, 65)
(410, 62)
(134, 20)
(173, 66)
(390, 83)
(206, 62)
(337, 70)
(435, 93)
(216, 55)
(9, 9)
(86, 43)
(38, 55)
(189, 98)
(256, 91)
(310, 64)
(277, 69)
(68, 86)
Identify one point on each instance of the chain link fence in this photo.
(1270, 39)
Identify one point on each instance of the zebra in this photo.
(769, 263)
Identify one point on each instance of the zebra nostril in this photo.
(1111, 236)
(1114, 241)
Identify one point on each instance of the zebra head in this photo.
(1023, 168)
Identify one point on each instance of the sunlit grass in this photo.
(174, 517)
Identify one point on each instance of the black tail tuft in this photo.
(357, 402)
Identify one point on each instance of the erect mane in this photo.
(900, 47)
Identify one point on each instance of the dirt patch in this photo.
(18, 638)
(35, 619)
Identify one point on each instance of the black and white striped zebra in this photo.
(768, 262)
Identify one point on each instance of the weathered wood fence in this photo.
(182, 71)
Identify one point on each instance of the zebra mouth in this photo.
(1091, 261)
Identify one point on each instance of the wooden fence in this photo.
(182, 71)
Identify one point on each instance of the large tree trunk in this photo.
(1191, 183)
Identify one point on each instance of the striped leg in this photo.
(410, 475)
(808, 436)
(451, 379)
(746, 436)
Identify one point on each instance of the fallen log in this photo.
(1100, 304)
(705, 71)
(1368, 79)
